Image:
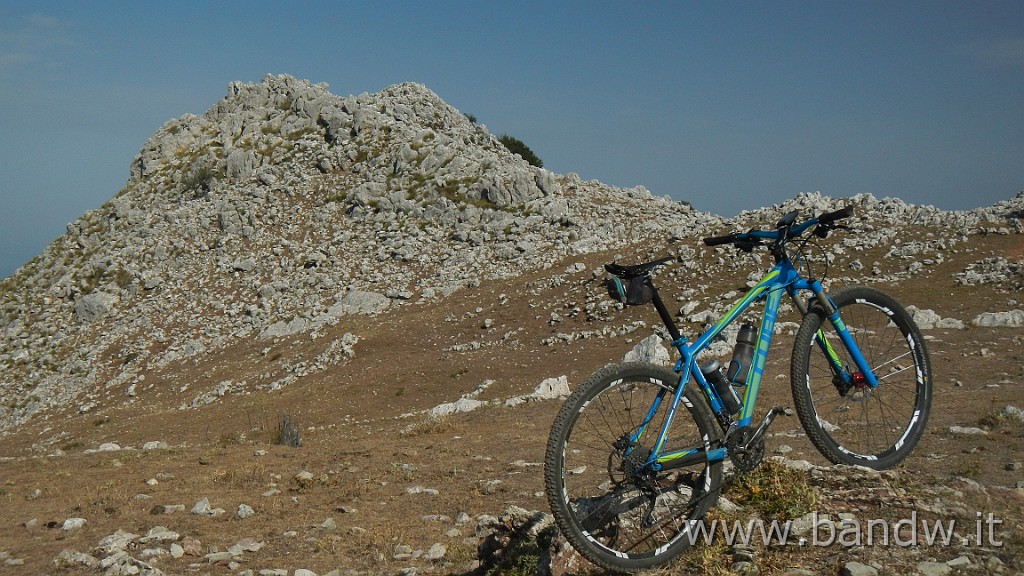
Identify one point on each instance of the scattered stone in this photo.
(551, 389)
(219, 557)
(958, 562)
(244, 511)
(192, 546)
(804, 524)
(436, 552)
(858, 569)
(167, 509)
(802, 465)
(461, 405)
(92, 307)
(116, 542)
(933, 569)
(124, 563)
(202, 508)
(250, 545)
(994, 565)
(1012, 319)
(929, 319)
(73, 524)
(422, 490)
(159, 534)
(966, 430)
(359, 302)
(1013, 413)
(70, 558)
(649, 350)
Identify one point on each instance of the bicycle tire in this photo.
(602, 511)
(879, 427)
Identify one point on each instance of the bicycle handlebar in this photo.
(748, 240)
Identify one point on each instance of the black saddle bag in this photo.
(630, 291)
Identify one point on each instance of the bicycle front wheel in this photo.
(617, 513)
(846, 420)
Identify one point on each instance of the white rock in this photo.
(966, 430)
(649, 350)
(552, 388)
(202, 507)
(73, 524)
(460, 405)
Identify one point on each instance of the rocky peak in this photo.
(397, 139)
(279, 210)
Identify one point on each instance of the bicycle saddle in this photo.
(637, 269)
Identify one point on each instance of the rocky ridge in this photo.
(278, 211)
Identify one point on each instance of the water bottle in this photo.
(712, 371)
(742, 355)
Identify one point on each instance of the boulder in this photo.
(94, 306)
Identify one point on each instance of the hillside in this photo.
(380, 277)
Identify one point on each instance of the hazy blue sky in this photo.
(727, 105)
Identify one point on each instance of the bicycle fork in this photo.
(843, 379)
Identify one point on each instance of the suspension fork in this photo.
(832, 313)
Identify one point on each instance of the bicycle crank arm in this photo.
(768, 418)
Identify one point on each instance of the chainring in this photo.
(745, 455)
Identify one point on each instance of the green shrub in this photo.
(516, 146)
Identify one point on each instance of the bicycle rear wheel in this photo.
(856, 424)
(615, 514)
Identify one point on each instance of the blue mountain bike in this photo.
(635, 455)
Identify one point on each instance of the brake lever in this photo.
(822, 230)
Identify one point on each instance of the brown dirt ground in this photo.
(365, 451)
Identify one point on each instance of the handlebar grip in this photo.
(719, 240)
(829, 217)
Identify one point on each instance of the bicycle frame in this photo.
(783, 278)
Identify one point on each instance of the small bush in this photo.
(516, 146)
(288, 433)
(774, 491)
(199, 181)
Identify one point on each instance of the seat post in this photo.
(666, 317)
